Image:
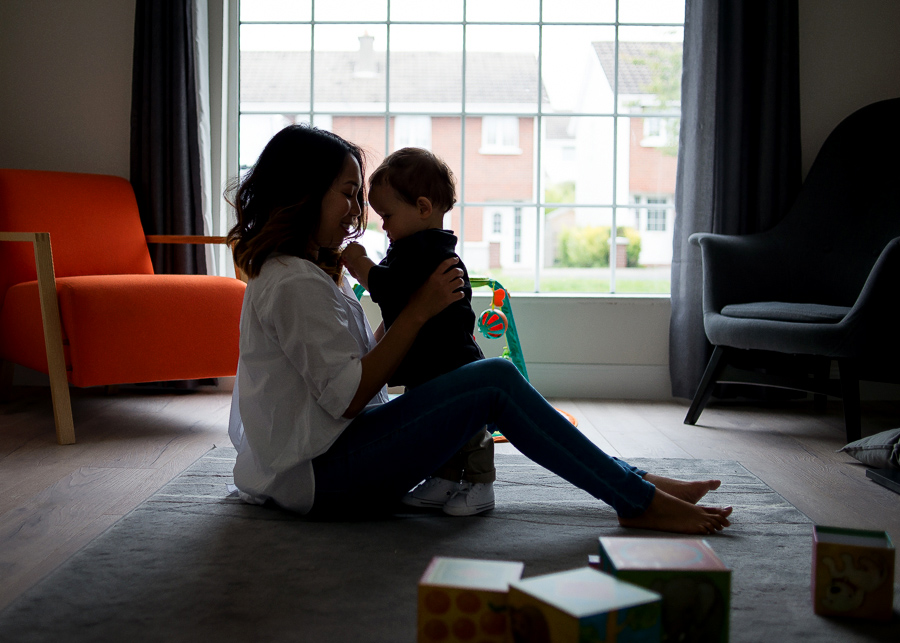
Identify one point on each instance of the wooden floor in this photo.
(55, 499)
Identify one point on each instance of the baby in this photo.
(411, 191)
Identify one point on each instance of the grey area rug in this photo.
(193, 563)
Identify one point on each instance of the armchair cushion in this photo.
(130, 328)
(783, 311)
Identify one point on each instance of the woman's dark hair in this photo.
(279, 201)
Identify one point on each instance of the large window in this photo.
(557, 116)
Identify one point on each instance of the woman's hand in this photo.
(443, 287)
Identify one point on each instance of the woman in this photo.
(311, 421)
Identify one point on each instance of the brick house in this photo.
(646, 159)
(349, 98)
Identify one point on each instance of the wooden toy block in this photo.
(852, 573)
(694, 583)
(462, 599)
(582, 606)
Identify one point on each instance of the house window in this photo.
(653, 219)
(500, 135)
(498, 223)
(656, 217)
(654, 132)
(412, 131)
(537, 108)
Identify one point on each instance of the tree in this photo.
(664, 64)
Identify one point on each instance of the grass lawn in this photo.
(630, 284)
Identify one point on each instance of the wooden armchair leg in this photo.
(56, 358)
(62, 406)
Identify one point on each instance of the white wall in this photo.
(65, 74)
(849, 57)
(65, 84)
(585, 346)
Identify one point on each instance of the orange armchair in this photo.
(91, 311)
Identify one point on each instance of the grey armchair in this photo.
(824, 283)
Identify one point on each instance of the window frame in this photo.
(617, 114)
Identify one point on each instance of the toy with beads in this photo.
(492, 323)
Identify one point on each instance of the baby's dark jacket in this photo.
(445, 342)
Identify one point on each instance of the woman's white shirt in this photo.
(302, 338)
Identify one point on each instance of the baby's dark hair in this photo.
(415, 172)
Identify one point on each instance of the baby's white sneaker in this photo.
(471, 499)
(431, 492)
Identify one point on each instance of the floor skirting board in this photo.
(602, 381)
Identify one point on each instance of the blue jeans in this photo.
(387, 449)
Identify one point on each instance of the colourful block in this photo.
(852, 573)
(461, 599)
(695, 585)
(582, 606)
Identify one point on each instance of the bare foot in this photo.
(690, 491)
(668, 513)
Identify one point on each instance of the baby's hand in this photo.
(357, 262)
(352, 252)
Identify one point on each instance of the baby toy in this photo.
(493, 323)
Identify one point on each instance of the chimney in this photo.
(365, 59)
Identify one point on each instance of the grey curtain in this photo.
(165, 152)
(739, 148)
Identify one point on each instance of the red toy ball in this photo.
(492, 324)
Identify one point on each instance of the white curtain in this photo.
(216, 56)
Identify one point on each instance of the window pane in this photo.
(499, 177)
(648, 11)
(275, 80)
(576, 250)
(580, 11)
(341, 10)
(426, 68)
(507, 256)
(366, 131)
(427, 10)
(645, 253)
(260, 10)
(501, 69)
(349, 68)
(446, 138)
(590, 140)
(274, 38)
(256, 130)
(647, 162)
(412, 131)
(502, 10)
(558, 159)
(649, 69)
(574, 78)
